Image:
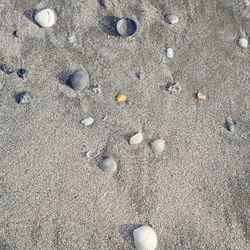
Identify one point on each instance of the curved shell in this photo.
(78, 80)
(108, 165)
(126, 27)
(145, 238)
(136, 139)
(158, 146)
(45, 18)
(243, 42)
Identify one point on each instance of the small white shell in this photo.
(158, 146)
(136, 139)
(87, 121)
(45, 18)
(145, 238)
(108, 165)
(172, 19)
(170, 53)
(243, 42)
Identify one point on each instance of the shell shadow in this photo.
(126, 231)
(63, 77)
(30, 14)
(108, 25)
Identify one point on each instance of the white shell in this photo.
(87, 121)
(108, 165)
(170, 53)
(243, 42)
(46, 18)
(172, 19)
(158, 146)
(136, 139)
(145, 238)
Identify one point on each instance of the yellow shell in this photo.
(121, 97)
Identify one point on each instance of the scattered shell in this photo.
(173, 88)
(78, 80)
(140, 75)
(170, 53)
(22, 73)
(145, 238)
(87, 121)
(172, 19)
(246, 3)
(23, 97)
(106, 4)
(230, 125)
(243, 42)
(201, 97)
(136, 139)
(90, 156)
(46, 18)
(158, 145)
(96, 90)
(121, 97)
(126, 27)
(108, 165)
(71, 39)
(105, 117)
(7, 69)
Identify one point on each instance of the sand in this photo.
(195, 194)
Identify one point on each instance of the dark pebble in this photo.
(7, 69)
(14, 34)
(23, 97)
(22, 73)
(78, 80)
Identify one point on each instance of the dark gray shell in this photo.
(78, 80)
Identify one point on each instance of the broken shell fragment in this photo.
(201, 97)
(158, 146)
(172, 19)
(108, 165)
(136, 139)
(230, 125)
(45, 18)
(145, 238)
(126, 27)
(173, 88)
(121, 97)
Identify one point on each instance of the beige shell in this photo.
(136, 139)
(108, 165)
(158, 146)
(145, 238)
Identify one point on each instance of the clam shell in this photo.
(136, 139)
(126, 27)
(78, 80)
(243, 42)
(172, 19)
(108, 164)
(87, 121)
(170, 53)
(45, 18)
(158, 146)
(145, 238)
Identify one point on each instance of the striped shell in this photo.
(145, 238)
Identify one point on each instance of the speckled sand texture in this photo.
(195, 194)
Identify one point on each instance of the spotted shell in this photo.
(145, 238)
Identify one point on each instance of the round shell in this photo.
(172, 19)
(45, 18)
(126, 27)
(108, 165)
(158, 146)
(87, 121)
(136, 139)
(78, 80)
(145, 238)
(243, 42)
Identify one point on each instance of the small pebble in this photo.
(200, 97)
(243, 42)
(230, 125)
(22, 73)
(172, 19)
(173, 88)
(136, 139)
(121, 97)
(78, 80)
(158, 146)
(246, 3)
(23, 97)
(45, 18)
(170, 53)
(108, 165)
(7, 69)
(14, 34)
(87, 121)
